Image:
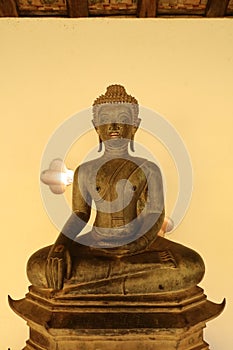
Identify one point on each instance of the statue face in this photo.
(115, 121)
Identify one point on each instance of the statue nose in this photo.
(114, 126)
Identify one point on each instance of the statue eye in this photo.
(124, 119)
(97, 188)
(104, 120)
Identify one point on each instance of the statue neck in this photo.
(115, 149)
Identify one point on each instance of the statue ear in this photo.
(138, 122)
(100, 145)
(100, 141)
(95, 126)
(135, 128)
(136, 125)
(132, 144)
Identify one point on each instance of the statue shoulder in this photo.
(147, 165)
(153, 167)
(86, 169)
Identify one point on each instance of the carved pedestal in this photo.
(163, 321)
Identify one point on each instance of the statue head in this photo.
(115, 115)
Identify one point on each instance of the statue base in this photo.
(162, 321)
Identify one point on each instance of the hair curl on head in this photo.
(116, 94)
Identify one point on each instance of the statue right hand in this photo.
(58, 266)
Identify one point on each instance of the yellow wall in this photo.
(50, 69)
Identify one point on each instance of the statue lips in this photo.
(114, 134)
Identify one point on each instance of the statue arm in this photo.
(154, 211)
(152, 216)
(145, 240)
(59, 264)
(81, 209)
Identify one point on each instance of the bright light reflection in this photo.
(57, 177)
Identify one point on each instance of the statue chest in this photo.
(116, 184)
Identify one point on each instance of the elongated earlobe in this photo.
(100, 145)
(132, 144)
(100, 141)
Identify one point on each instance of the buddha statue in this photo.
(121, 284)
(123, 253)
